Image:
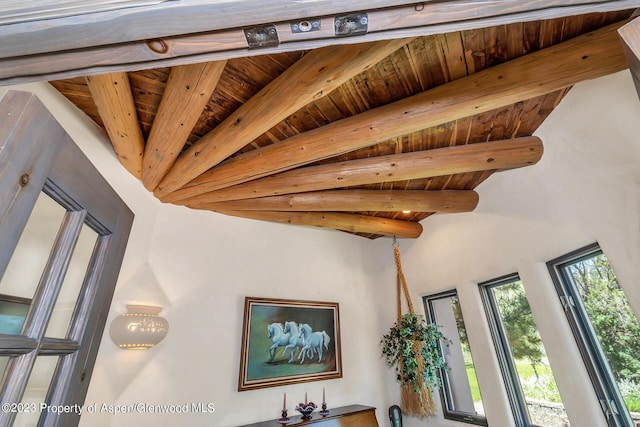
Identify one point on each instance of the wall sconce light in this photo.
(139, 328)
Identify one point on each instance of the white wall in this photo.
(585, 189)
(206, 266)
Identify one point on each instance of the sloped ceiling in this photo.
(366, 138)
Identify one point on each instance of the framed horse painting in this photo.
(289, 341)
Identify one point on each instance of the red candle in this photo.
(284, 404)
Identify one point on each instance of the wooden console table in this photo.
(345, 416)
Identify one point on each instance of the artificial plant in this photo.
(412, 346)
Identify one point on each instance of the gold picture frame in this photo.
(289, 341)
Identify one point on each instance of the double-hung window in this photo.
(461, 400)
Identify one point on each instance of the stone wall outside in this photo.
(549, 414)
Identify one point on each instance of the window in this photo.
(531, 387)
(460, 394)
(605, 329)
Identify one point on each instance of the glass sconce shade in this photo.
(139, 328)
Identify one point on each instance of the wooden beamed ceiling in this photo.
(368, 138)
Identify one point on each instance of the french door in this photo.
(63, 232)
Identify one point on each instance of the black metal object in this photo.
(395, 416)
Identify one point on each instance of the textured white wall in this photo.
(205, 267)
(586, 188)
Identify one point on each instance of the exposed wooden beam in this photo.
(166, 18)
(484, 156)
(446, 201)
(585, 57)
(338, 221)
(630, 35)
(315, 75)
(187, 92)
(112, 95)
(178, 33)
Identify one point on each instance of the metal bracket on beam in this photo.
(351, 25)
(306, 26)
(265, 36)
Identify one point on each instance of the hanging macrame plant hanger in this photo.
(415, 400)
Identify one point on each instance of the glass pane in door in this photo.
(3, 364)
(32, 252)
(36, 392)
(63, 310)
(13, 311)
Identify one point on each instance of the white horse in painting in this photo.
(276, 333)
(295, 340)
(313, 341)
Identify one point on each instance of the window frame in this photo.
(501, 345)
(598, 369)
(446, 398)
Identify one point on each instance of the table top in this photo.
(296, 420)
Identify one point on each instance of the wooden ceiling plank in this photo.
(592, 55)
(495, 155)
(515, 42)
(314, 76)
(452, 51)
(496, 40)
(357, 200)
(114, 100)
(186, 94)
(353, 223)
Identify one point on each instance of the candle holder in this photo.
(306, 409)
(284, 418)
(324, 411)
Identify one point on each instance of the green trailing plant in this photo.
(413, 347)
